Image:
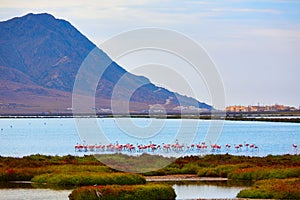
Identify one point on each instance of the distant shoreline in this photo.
(293, 117)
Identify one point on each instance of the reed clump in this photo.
(273, 189)
(88, 178)
(117, 192)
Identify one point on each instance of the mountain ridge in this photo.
(41, 55)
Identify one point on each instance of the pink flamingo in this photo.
(100, 147)
(215, 147)
(167, 147)
(227, 146)
(91, 147)
(246, 145)
(78, 147)
(131, 147)
(237, 147)
(192, 146)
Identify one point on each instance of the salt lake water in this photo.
(33, 194)
(206, 191)
(58, 136)
(183, 191)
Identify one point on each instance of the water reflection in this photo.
(24, 190)
(15, 185)
(208, 190)
(184, 190)
(33, 194)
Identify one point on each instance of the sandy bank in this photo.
(183, 177)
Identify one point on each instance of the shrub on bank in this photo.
(273, 189)
(117, 192)
(82, 179)
(27, 173)
(23, 174)
(37, 160)
(260, 173)
(220, 171)
(71, 168)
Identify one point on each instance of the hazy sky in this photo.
(254, 44)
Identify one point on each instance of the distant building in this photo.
(274, 108)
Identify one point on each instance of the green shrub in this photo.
(70, 168)
(219, 171)
(207, 172)
(82, 179)
(117, 192)
(190, 168)
(159, 172)
(260, 173)
(23, 174)
(136, 164)
(273, 188)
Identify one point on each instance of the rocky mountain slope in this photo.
(39, 60)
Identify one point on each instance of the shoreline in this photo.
(166, 178)
(182, 178)
(268, 118)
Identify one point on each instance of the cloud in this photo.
(277, 33)
(246, 10)
(243, 35)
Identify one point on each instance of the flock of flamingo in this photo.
(176, 147)
(166, 148)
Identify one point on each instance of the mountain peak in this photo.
(36, 44)
(32, 16)
(47, 53)
(38, 15)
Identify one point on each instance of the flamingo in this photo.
(180, 147)
(227, 146)
(119, 147)
(188, 147)
(100, 147)
(85, 147)
(215, 147)
(201, 147)
(167, 147)
(218, 147)
(142, 147)
(192, 146)
(237, 147)
(246, 145)
(131, 148)
(256, 148)
(78, 147)
(152, 147)
(91, 147)
(110, 147)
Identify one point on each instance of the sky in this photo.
(255, 45)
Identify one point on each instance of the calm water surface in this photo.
(183, 191)
(57, 136)
(33, 194)
(19, 137)
(195, 191)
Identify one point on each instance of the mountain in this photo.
(40, 57)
